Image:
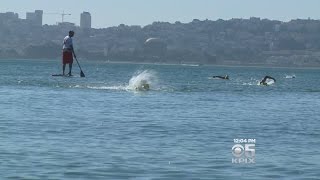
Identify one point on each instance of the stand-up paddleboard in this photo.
(61, 75)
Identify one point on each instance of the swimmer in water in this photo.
(221, 77)
(144, 86)
(290, 76)
(263, 81)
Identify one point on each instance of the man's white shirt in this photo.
(67, 43)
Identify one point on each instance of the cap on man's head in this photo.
(71, 32)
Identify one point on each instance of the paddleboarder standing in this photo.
(68, 53)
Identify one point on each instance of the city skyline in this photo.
(143, 12)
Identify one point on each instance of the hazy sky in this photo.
(107, 13)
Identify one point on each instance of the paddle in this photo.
(81, 72)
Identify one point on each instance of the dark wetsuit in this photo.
(263, 81)
(221, 77)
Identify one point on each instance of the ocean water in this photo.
(103, 127)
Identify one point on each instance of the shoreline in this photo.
(194, 64)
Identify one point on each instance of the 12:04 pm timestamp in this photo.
(244, 141)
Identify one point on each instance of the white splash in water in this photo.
(248, 84)
(142, 81)
(268, 82)
(290, 76)
(107, 87)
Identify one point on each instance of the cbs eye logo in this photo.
(248, 150)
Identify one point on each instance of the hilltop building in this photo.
(35, 17)
(67, 25)
(85, 20)
(9, 18)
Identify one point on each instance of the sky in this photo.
(107, 13)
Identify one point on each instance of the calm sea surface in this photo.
(100, 127)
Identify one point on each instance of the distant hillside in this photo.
(251, 41)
